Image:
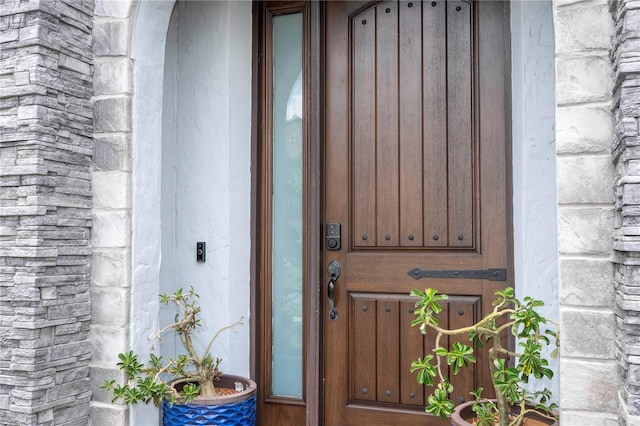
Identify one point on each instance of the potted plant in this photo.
(514, 402)
(190, 387)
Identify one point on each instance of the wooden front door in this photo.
(416, 173)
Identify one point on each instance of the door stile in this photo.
(313, 61)
(336, 209)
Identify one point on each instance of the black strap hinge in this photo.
(493, 274)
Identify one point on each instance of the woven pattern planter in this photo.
(237, 409)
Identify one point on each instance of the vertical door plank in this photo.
(363, 154)
(411, 348)
(435, 123)
(410, 82)
(364, 349)
(461, 167)
(388, 352)
(387, 206)
(461, 314)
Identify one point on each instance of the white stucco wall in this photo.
(191, 170)
(534, 175)
(206, 161)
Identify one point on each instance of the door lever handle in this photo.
(334, 272)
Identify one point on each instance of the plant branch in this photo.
(438, 365)
(471, 328)
(239, 322)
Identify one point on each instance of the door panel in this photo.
(396, 170)
(416, 173)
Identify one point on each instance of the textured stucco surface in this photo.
(534, 160)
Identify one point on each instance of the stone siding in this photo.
(584, 130)
(46, 145)
(626, 245)
(111, 176)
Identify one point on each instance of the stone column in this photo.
(626, 246)
(46, 145)
(111, 176)
(584, 81)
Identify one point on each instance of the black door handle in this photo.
(334, 272)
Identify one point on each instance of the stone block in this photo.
(100, 373)
(631, 420)
(586, 282)
(588, 385)
(585, 230)
(588, 418)
(113, 8)
(587, 179)
(110, 307)
(45, 417)
(69, 389)
(110, 38)
(633, 374)
(8, 121)
(584, 129)
(32, 112)
(23, 293)
(73, 414)
(583, 28)
(73, 64)
(110, 268)
(631, 21)
(112, 152)
(108, 415)
(112, 114)
(112, 76)
(630, 99)
(587, 334)
(107, 343)
(9, 35)
(561, 3)
(583, 79)
(81, 372)
(631, 194)
(111, 190)
(69, 310)
(8, 417)
(31, 32)
(111, 229)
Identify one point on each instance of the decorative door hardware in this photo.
(334, 270)
(492, 274)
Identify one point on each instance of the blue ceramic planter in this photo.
(228, 410)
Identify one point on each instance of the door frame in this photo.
(313, 199)
(314, 63)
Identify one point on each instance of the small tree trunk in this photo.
(207, 388)
(503, 404)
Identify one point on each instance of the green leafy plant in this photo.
(179, 379)
(509, 315)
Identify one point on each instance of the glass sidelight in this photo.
(287, 206)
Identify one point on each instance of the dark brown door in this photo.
(416, 173)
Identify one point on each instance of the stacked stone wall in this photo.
(626, 246)
(46, 145)
(584, 130)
